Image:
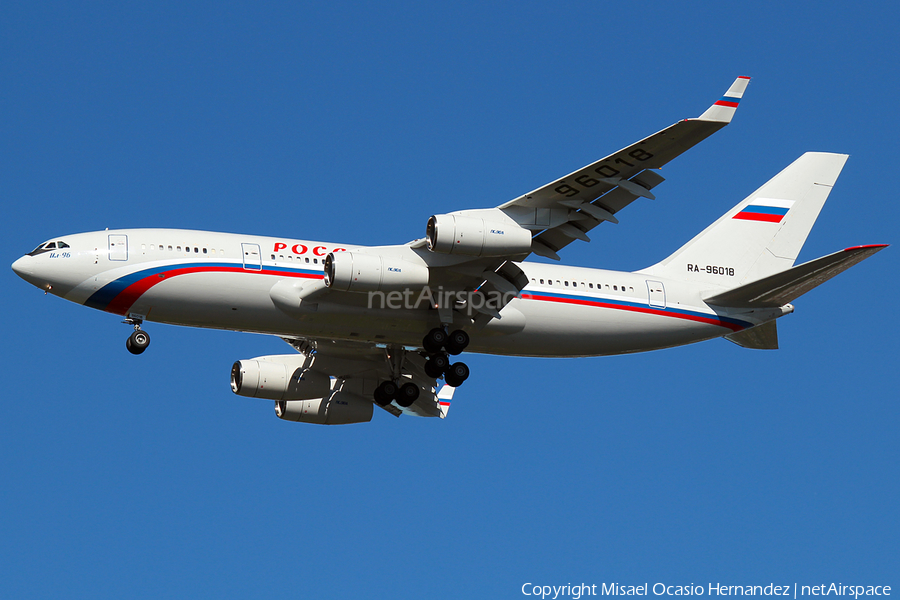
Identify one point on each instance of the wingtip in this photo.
(875, 247)
(723, 109)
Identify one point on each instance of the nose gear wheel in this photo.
(138, 341)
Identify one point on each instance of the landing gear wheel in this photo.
(436, 365)
(137, 342)
(456, 374)
(409, 393)
(434, 340)
(386, 392)
(380, 398)
(457, 341)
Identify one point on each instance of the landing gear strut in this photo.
(138, 341)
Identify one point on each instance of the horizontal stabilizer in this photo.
(781, 288)
(761, 337)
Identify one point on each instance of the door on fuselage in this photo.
(656, 294)
(118, 247)
(252, 257)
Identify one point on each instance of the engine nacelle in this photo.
(473, 236)
(339, 408)
(356, 272)
(276, 379)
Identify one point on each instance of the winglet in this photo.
(723, 110)
(445, 395)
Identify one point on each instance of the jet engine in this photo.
(473, 236)
(338, 408)
(356, 272)
(278, 378)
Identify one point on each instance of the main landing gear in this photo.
(404, 394)
(392, 390)
(138, 341)
(439, 344)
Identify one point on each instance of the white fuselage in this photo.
(226, 281)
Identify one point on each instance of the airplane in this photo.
(381, 325)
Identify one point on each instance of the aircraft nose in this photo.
(26, 268)
(22, 267)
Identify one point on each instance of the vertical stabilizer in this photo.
(763, 234)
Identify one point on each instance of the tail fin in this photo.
(764, 233)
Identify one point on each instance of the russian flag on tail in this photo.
(769, 210)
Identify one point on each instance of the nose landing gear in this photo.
(138, 341)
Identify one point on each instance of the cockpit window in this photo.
(47, 247)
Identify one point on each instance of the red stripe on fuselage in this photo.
(637, 309)
(127, 297)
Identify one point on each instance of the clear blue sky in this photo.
(145, 477)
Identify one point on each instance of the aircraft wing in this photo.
(573, 205)
(566, 209)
